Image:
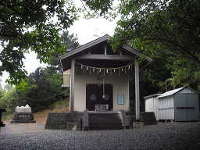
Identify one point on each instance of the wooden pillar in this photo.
(137, 91)
(72, 72)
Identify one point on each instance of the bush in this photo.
(39, 90)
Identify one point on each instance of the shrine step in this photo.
(65, 120)
(105, 120)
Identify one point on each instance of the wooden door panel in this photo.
(94, 95)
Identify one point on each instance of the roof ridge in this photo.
(172, 92)
(106, 35)
(100, 39)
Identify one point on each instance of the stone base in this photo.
(23, 117)
(88, 120)
(109, 120)
(148, 118)
(138, 124)
(66, 120)
(23, 121)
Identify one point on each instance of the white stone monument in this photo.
(26, 108)
(23, 114)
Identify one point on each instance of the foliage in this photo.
(103, 6)
(32, 25)
(167, 31)
(1, 93)
(42, 88)
(173, 24)
(8, 100)
(99, 8)
(167, 27)
(70, 40)
(39, 90)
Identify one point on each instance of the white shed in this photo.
(151, 104)
(180, 104)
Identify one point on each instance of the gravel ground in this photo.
(169, 136)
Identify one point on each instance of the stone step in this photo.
(104, 121)
(65, 120)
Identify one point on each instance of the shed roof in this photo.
(171, 92)
(152, 95)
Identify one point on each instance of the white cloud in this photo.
(89, 29)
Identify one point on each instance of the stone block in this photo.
(148, 118)
(66, 120)
(23, 117)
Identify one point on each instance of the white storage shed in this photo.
(180, 104)
(151, 104)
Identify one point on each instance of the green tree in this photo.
(166, 30)
(172, 24)
(40, 89)
(70, 40)
(32, 25)
(99, 6)
(9, 100)
(1, 93)
(168, 27)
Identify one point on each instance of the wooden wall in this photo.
(120, 85)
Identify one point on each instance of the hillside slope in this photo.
(59, 106)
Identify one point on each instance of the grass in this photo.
(7, 116)
(59, 106)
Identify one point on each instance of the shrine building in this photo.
(99, 77)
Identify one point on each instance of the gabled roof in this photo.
(95, 42)
(170, 93)
(84, 49)
(85, 46)
(173, 92)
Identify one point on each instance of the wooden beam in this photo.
(137, 92)
(106, 57)
(72, 72)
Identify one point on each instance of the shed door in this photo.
(94, 96)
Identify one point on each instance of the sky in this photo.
(85, 30)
